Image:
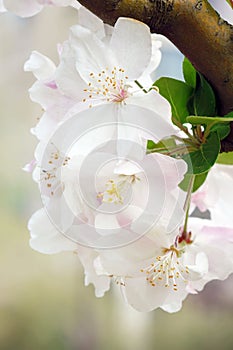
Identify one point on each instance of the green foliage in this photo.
(195, 96)
(177, 93)
(199, 120)
(203, 159)
(189, 72)
(203, 100)
(199, 180)
(219, 124)
(151, 144)
(193, 101)
(225, 158)
(222, 130)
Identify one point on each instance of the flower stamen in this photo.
(166, 270)
(108, 86)
(116, 190)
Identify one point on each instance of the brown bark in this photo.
(196, 30)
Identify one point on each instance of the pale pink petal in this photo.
(217, 244)
(30, 166)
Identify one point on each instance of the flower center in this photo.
(49, 176)
(117, 190)
(167, 269)
(108, 85)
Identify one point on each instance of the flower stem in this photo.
(173, 151)
(185, 130)
(188, 202)
(185, 140)
(207, 131)
(141, 87)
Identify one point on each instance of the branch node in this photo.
(199, 5)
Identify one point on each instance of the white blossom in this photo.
(160, 270)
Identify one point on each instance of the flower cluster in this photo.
(105, 196)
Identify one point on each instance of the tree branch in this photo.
(194, 27)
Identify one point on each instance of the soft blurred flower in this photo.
(107, 226)
(217, 243)
(88, 182)
(216, 195)
(104, 198)
(28, 8)
(2, 8)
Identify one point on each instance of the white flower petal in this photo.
(106, 223)
(87, 19)
(108, 33)
(128, 260)
(142, 296)
(173, 307)
(148, 123)
(197, 271)
(131, 56)
(155, 102)
(146, 78)
(67, 76)
(216, 195)
(45, 238)
(92, 55)
(41, 66)
(88, 258)
(217, 244)
(173, 169)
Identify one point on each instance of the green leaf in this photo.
(178, 94)
(229, 115)
(203, 100)
(198, 181)
(225, 158)
(190, 73)
(222, 130)
(196, 120)
(151, 144)
(203, 159)
(165, 143)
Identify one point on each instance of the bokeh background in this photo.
(43, 302)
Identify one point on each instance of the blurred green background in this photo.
(43, 302)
